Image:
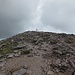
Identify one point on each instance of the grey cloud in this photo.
(59, 14)
(15, 16)
(47, 15)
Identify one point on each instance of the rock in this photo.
(15, 51)
(60, 73)
(71, 63)
(57, 52)
(29, 72)
(20, 72)
(64, 64)
(19, 47)
(10, 56)
(38, 54)
(50, 73)
(16, 55)
(58, 61)
(62, 67)
(1, 56)
(30, 55)
(2, 64)
(25, 66)
(73, 73)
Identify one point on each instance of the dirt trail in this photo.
(34, 64)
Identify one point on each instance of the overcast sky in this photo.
(47, 15)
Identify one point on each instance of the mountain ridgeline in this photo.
(54, 53)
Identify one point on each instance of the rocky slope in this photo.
(38, 53)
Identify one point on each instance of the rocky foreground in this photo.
(38, 53)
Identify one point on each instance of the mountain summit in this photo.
(38, 53)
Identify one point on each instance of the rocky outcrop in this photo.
(44, 53)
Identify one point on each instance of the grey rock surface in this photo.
(20, 72)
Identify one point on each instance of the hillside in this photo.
(38, 53)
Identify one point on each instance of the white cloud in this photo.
(59, 14)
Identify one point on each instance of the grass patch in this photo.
(6, 49)
(69, 40)
(26, 52)
(53, 41)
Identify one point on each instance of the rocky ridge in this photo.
(38, 53)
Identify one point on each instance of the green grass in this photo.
(53, 41)
(26, 52)
(69, 40)
(6, 49)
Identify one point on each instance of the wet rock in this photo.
(12, 40)
(2, 45)
(20, 72)
(64, 64)
(60, 65)
(38, 54)
(57, 70)
(44, 49)
(19, 53)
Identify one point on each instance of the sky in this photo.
(18, 16)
